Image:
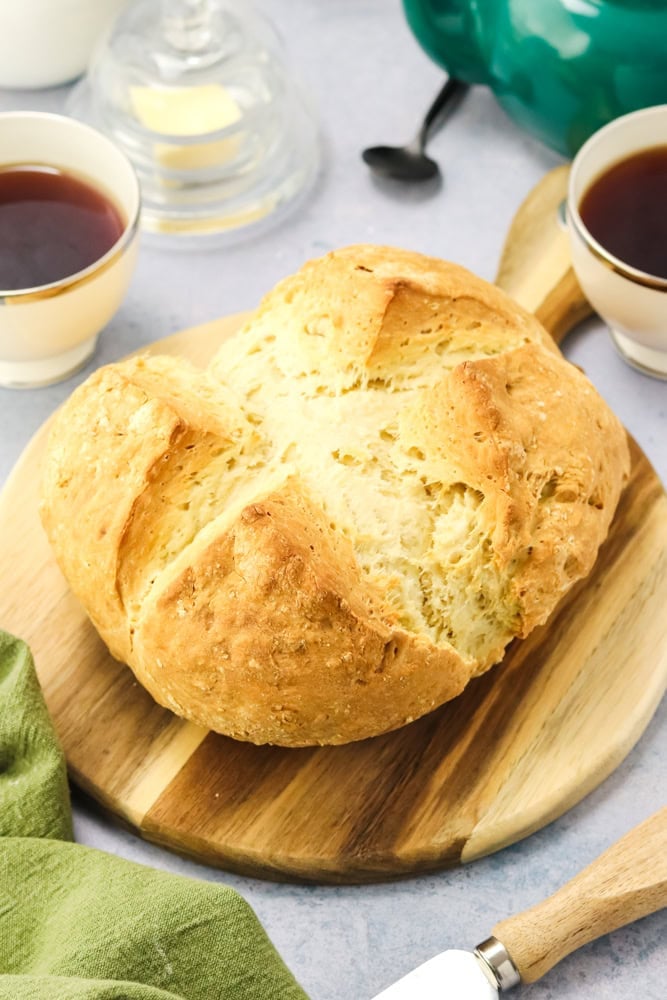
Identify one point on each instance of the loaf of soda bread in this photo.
(388, 474)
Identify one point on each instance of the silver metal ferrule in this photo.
(497, 964)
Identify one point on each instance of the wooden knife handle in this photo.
(625, 883)
(535, 266)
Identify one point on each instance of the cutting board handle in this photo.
(625, 883)
(535, 267)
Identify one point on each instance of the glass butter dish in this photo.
(198, 95)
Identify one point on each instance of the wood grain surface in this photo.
(521, 745)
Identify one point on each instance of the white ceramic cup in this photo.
(49, 42)
(50, 331)
(631, 302)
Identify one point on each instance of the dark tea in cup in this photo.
(53, 224)
(617, 225)
(625, 210)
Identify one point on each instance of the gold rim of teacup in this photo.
(613, 263)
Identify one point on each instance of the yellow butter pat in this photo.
(188, 111)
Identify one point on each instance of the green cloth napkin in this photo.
(78, 924)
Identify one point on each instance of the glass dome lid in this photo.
(198, 95)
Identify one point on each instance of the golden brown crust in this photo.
(225, 530)
(295, 649)
(105, 441)
(360, 310)
(532, 436)
(110, 447)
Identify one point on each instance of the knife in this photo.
(625, 883)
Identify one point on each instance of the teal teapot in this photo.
(560, 68)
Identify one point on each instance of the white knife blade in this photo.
(452, 975)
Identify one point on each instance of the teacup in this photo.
(632, 301)
(50, 330)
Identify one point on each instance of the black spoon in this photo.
(410, 163)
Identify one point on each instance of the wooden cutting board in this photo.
(521, 745)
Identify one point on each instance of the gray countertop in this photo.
(371, 83)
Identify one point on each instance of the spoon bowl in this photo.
(410, 162)
(402, 163)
